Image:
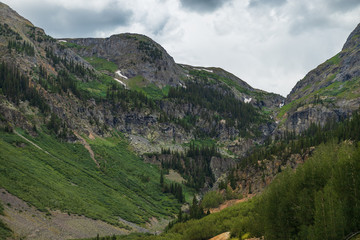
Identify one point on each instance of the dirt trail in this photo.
(230, 203)
(223, 236)
(35, 145)
(29, 223)
(87, 146)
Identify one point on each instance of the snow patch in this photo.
(247, 100)
(118, 72)
(281, 105)
(61, 40)
(182, 85)
(121, 82)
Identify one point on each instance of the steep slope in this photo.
(242, 90)
(331, 91)
(134, 55)
(77, 119)
(48, 95)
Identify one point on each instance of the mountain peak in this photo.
(135, 55)
(354, 39)
(11, 17)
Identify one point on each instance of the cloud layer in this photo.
(271, 44)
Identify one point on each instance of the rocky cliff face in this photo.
(331, 91)
(135, 55)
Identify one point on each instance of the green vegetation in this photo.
(207, 142)
(318, 201)
(348, 90)
(101, 64)
(334, 60)
(5, 232)
(68, 179)
(212, 199)
(235, 219)
(236, 114)
(141, 84)
(150, 49)
(97, 88)
(71, 45)
(194, 165)
(21, 47)
(15, 87)
(212, 77)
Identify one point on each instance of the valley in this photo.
(110, 138)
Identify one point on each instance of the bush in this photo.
(212, 199)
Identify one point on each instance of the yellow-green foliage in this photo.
(212, 199)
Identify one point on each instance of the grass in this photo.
(123, 187)
(97, 88)
(235, 219)
(141, 84)
(174, 177)
(341, 90)
(71, 45)
(207, 142)
(334, 60)
(101, 64)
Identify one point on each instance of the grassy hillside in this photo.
(5, 232)
(320, 200)
(68, 179)
(236, 219)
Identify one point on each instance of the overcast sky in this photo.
(271, 44)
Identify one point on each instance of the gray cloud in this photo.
(272, 3)
(310, 22)
(61, 22)
(343, 6)
(203, 6)
(320, 16)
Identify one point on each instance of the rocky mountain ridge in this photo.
(134, 54)
(330, 91)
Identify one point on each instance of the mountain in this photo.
(134, 55)
(81, 119)
(330, 91)
(113, 134)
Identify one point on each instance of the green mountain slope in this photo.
(332, 90)
(63, 176)
(317, 201)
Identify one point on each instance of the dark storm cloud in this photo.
(272, 3)
(61, 22)
(203, 6)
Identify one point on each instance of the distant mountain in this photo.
(134, 54)
(330, 91)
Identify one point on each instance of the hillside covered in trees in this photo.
(90, 130)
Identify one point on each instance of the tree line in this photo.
(16, 86)
(193, 165)
(21, 47)
(235, 113)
